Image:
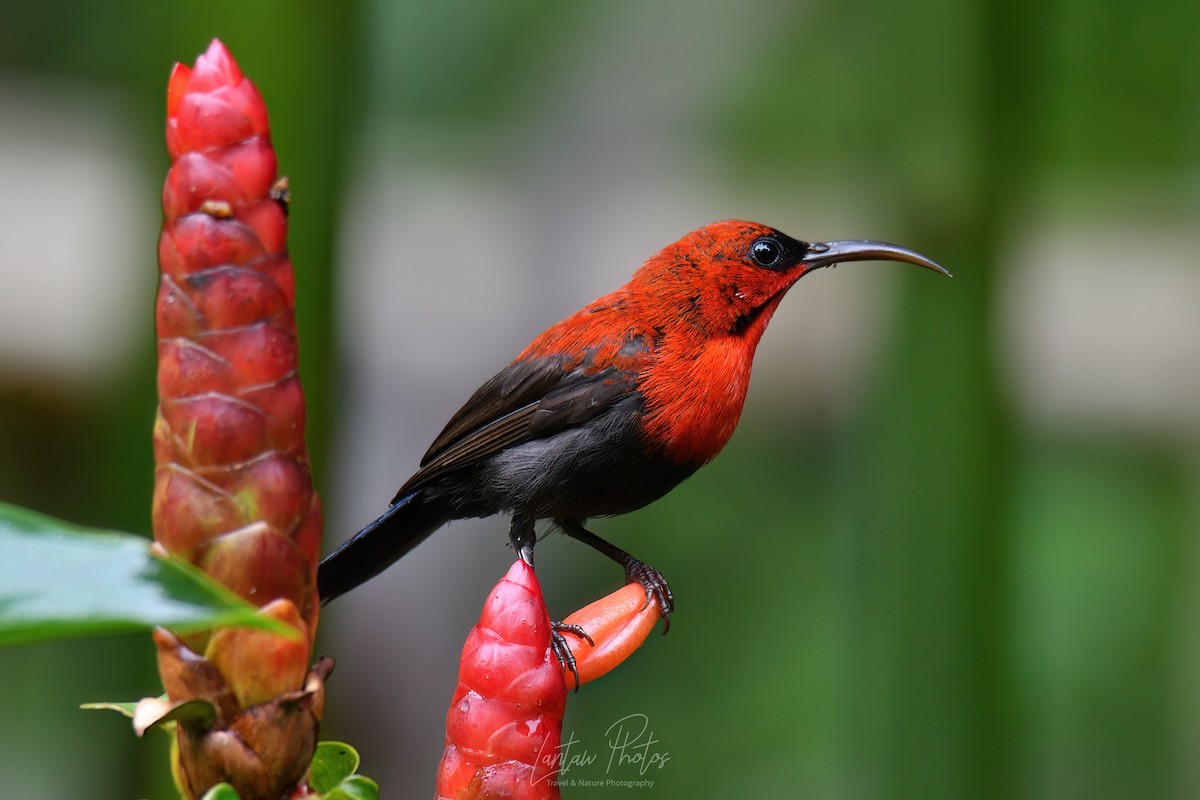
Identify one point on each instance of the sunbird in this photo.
(609, 409)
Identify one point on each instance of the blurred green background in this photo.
(951, 552)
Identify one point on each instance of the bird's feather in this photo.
(534, 398)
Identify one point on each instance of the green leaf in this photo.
(125, 709)
(222, 791)
(333, 763)
(356, 787)
(61, 580)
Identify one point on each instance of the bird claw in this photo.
(562, 650)
(656, 586)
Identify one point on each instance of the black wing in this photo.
(530, 399)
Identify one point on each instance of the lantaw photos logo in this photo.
(630, 756)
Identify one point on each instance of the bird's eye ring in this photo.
(766, 252)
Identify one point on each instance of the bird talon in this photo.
(562, 650)
(576, 630)
(656, 586)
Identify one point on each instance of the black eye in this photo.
(766, 252)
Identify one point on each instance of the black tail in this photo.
(405, 524)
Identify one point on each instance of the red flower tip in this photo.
(215, 68)
(515, 609)
(212, 106)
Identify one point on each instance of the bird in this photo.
(609, 409)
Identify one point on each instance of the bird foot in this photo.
(562, 650)
(657, 589)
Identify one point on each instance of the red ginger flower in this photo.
(233, 492)
(505, 721)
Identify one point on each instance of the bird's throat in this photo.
(751, 325)
(693, 403)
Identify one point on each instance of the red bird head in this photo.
(710, 296)
(728, 277)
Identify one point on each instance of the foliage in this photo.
(61, 580)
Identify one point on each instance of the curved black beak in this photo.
(826, 254)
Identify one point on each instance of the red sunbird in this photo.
(611, 408)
